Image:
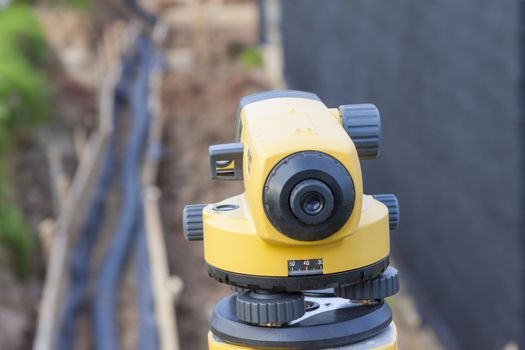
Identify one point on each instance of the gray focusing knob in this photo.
(383, 286)
(262, 308)
(192, 222)
(362, 123)
(391, 202)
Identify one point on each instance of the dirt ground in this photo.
(30, 174)
(201, 111)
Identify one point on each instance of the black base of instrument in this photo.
(328, 322)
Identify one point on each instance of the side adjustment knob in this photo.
(385, 285)
(192, 222)
(391, 202)
(362, 122)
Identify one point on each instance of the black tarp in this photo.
(446, 76)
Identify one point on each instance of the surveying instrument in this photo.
(306, 252)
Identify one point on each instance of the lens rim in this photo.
(311, 187)
(290, 171)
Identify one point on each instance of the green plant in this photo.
(79, 4)
(24, 89)
(251, 57)
(21, 36)
(14, 233)
(25, 101)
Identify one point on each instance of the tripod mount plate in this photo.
(335, 322)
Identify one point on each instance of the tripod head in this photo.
(302, 222)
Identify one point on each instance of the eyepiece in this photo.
(312, 201)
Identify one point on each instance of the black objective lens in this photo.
(311, 201)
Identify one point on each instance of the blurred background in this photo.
(447, 77)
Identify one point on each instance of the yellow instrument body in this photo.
(244, 241)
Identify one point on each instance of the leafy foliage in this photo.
(251, 57)
(25, 101)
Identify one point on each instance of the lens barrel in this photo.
(308, 196)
